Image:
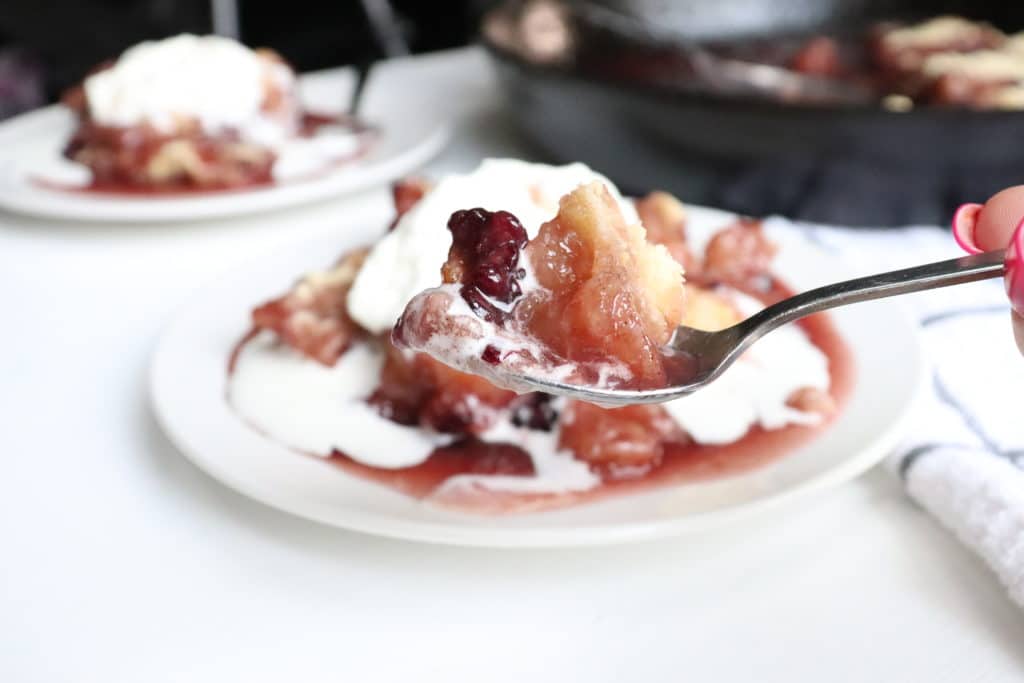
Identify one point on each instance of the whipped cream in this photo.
(315, 409)
(408, 260)
(212, 79)
(312, 408)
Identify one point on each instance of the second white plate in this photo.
(409, 137)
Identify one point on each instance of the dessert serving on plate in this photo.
(516, 260)
(195, 113)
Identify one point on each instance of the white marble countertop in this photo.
(120, 561)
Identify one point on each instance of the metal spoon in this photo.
(699, 357)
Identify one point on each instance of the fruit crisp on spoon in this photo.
(318, 372)
(588, 301)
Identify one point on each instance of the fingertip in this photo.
(965, 220)
(999, 218)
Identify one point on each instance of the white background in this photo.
(119, 561)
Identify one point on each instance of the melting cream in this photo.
(315, 409)
(214, 80)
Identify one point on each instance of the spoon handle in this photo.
(931, 276)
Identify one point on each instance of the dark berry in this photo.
(402, 412)
(536, 411)
(447, 413)
(484, 258)
(491, 354)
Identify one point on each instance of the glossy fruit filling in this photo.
(484, 260)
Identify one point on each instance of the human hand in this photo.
(994, 225)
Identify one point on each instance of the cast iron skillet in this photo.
(845, 164)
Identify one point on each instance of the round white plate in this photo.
(33, 142)
(188, 379)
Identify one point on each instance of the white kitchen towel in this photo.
(963, 459)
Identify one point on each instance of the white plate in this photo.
(34, 141)
(188, 387)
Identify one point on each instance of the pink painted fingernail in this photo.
(964, 221)
(1015, 269)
